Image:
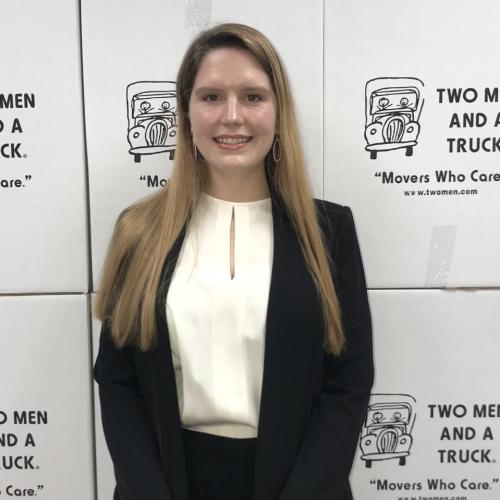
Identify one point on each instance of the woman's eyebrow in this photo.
(252, 88)
(260, 89)
(202, 90)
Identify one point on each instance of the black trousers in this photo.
(218, 467)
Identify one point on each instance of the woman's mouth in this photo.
(232, 141)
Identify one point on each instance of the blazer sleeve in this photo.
(127, 425)
(322, 467)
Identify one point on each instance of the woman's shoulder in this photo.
(333, 212)
(330, 206)
(336, 220)
(133, 218)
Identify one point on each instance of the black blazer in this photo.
(312, 404)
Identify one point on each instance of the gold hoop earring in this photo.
(195, 152)
(276, 150)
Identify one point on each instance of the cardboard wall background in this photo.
(46, 428)
(424, 224)
(42, 158)
(437, 346)
(437, 389)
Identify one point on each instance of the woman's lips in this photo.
(232, 142)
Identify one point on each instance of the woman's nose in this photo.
(232, 112)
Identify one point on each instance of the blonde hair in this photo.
(145, 231)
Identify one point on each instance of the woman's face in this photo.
(232, 110)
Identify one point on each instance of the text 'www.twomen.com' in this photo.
(441, 192)
(431, 498)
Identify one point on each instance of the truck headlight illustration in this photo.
(152, 123)
(387, 429)
(392, 109)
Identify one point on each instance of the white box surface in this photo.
(391, 70)
(432, 429)
(42, 170)
(45, 398)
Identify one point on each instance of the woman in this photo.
(235, 357)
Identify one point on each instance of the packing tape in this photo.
(440, 256)
(198, 13)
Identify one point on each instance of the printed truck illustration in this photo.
(387, 429)
(152, 121)
(392, 109)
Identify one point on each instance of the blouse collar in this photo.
(218, 202)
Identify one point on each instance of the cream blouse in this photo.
(217, 324)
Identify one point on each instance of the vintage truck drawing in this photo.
(386, 433)
(392, 109)
(152, 121)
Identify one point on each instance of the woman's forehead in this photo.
(231, 67)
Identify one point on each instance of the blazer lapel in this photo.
(292, 324)
(292, 321)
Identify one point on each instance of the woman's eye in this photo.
(211, 98)
(254, 98)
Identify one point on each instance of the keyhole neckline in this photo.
(219, 201)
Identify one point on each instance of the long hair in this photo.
(146, 230)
